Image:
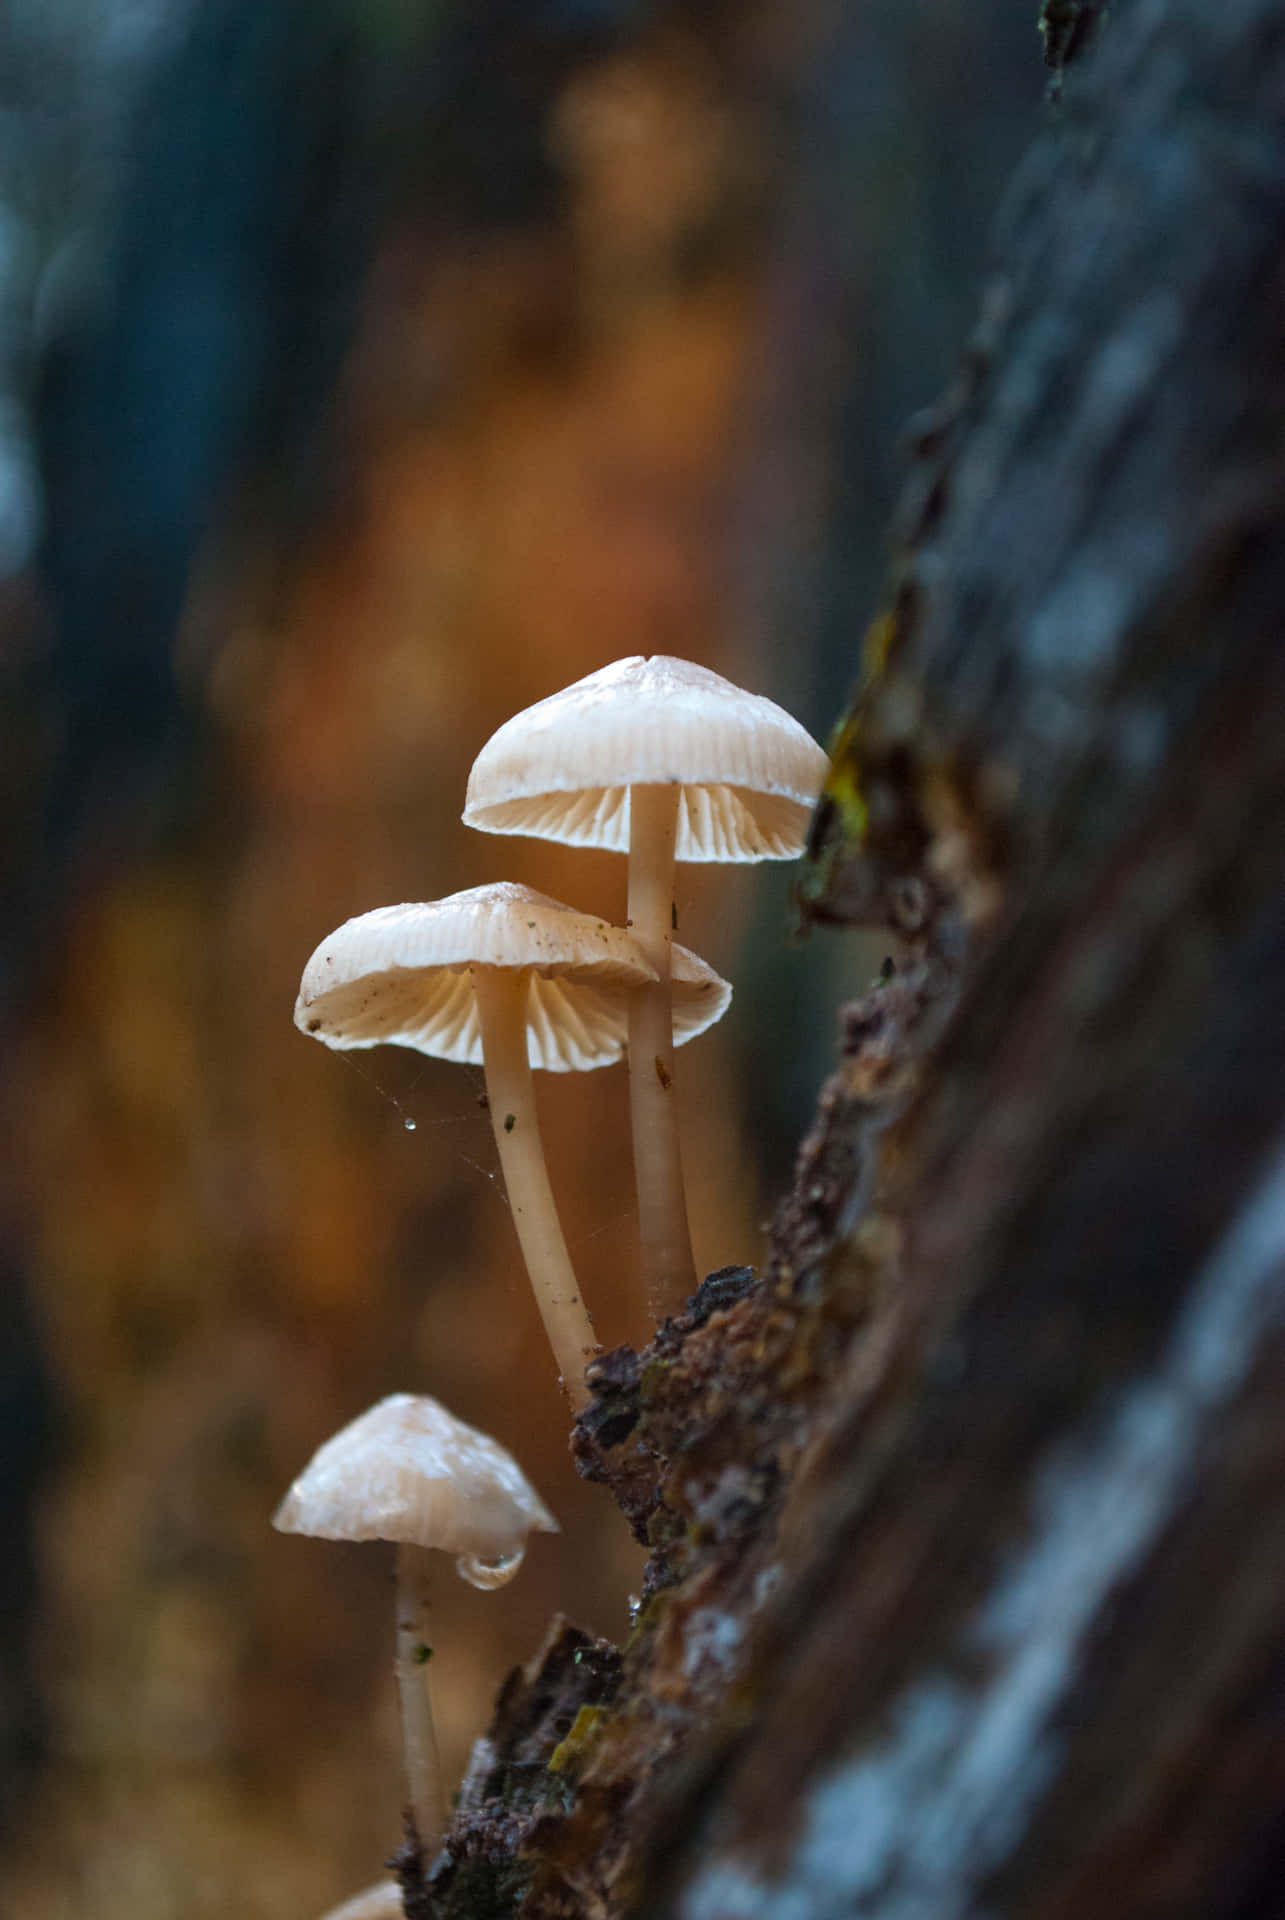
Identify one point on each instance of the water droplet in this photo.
(409, 1124)
(489, 1573)
(635, 1608)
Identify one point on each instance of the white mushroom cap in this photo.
(401, 975)
(383, 1901)
(408, 1470)
(749, 773)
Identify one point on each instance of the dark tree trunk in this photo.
(969, 1515)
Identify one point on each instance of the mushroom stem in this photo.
(669, 1268)
(419, 1739)
(501, 1004)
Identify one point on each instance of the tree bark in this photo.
(968, 1516)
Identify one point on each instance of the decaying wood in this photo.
(968, 1515)
(517, 1780)
(698, 1437)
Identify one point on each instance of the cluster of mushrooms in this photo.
(664, 761)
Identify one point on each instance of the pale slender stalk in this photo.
(419, 1740)
(501, 1005)
(669, 1269)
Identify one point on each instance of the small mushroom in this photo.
(505, 977)
(665, 760)
(383, 1901)
(409, 1471)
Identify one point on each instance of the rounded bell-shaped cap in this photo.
(409, 1471)
(403, 976)
(749, 773)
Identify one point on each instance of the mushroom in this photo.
(503, 976)
(409, 1471)
(664, 760)
(380, 1902)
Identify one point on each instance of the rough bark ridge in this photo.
(969, 1515)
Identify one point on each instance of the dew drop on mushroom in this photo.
(489, 1574)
